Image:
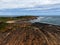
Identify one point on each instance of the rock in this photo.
(31, 34)
(12, 21)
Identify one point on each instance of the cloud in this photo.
(45, 7)
(8, 4)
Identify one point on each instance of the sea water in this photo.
(48, 20)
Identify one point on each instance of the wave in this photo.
(49, 20)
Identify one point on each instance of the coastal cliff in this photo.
(27, 33)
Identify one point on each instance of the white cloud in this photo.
(8, 4)
(45, 7)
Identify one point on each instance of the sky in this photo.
(30, 7)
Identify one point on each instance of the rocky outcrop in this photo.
(26, 33)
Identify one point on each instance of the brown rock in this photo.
(31, 34)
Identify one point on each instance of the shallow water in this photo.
(49, 20)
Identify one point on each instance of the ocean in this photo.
(49, 20)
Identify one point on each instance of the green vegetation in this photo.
(5, 26)
(3, 19)
(2, 26)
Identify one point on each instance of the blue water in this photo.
(48, 20)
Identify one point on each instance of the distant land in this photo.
(28, 15)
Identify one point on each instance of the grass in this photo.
(3, 19)
(4, 26)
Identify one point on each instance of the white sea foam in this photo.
(49, 20)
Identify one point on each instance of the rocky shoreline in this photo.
(26, 33)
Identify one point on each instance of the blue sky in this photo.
(30, 7)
